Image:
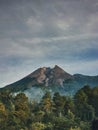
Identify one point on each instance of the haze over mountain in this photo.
(53, 80)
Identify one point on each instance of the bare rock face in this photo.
(39, 75)
(48, 76)
(59, 75)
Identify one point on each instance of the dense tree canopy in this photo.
(57, 112)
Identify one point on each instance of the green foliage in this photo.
(93, 100)
(69, 106)
(46, 102)
(85, 125)
(38, 126)
(59, 102)
(51, 113)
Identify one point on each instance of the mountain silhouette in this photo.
(52, 79)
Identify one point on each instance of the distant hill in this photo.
(51, 79)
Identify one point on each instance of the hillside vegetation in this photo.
(59, 112)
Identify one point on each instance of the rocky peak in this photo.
(60, 73)
(58, 70)
(49, 76)
(57, 67)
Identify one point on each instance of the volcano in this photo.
(52, 79)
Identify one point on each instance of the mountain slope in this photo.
(42, 76)
(52, 79)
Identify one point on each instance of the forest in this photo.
(57, 112)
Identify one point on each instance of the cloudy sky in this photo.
(37, 33)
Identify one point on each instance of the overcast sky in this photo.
(37, 33)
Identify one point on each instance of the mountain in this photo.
(48, 76)
(53, 80)
(41, 77)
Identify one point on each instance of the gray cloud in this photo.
(38, 33)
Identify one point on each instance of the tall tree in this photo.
(46, 102)
(59, 102)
